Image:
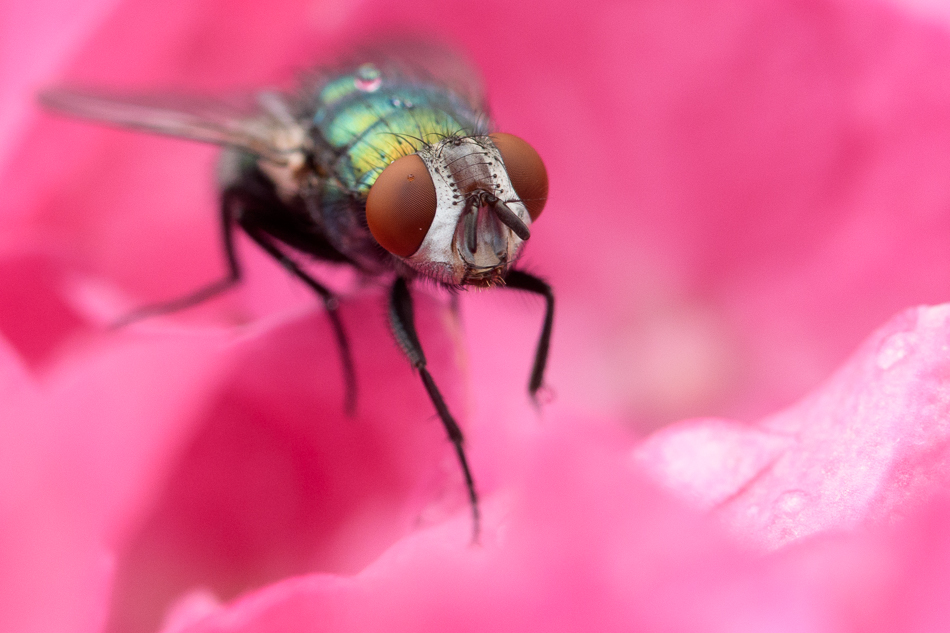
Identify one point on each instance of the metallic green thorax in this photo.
(370, 117)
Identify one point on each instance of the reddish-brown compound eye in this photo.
(401, 206)
(526, 170)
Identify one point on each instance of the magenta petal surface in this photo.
(583, 543)
(275, 480)
(80, 452)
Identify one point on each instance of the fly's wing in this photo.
(270, 133)
(428, 61)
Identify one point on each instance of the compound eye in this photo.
(401, 206)
(526, 170)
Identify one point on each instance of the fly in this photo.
(389, 165)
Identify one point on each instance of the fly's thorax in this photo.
(467, 243)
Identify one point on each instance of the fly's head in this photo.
(460, 210)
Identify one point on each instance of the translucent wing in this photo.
(269, 132)
(435, 62)
(415, 59)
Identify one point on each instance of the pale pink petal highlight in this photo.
(868, 447)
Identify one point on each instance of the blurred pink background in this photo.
(741, 193)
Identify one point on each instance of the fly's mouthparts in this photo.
(475, 222)
(471, 226)
(483, 239)
(486, 277)
(504, 213)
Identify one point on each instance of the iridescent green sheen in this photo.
(371, 122)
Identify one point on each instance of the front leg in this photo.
(404, 328)
(519, 280)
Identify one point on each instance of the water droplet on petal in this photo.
(894, 348)
(791, 502)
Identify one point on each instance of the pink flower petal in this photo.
(578, 541)
(584, 544)
(275, 480)
(868, 447)
(81, 449)
(709, 461)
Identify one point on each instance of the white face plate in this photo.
(459, 167)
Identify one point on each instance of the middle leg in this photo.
(330, 301)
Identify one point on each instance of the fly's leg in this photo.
(228, 215)
(404, 328)
(519, 280)
(330, 301)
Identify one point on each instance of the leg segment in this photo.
(229, 211)
(330, 301)
(519, 280)
(403, 322)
